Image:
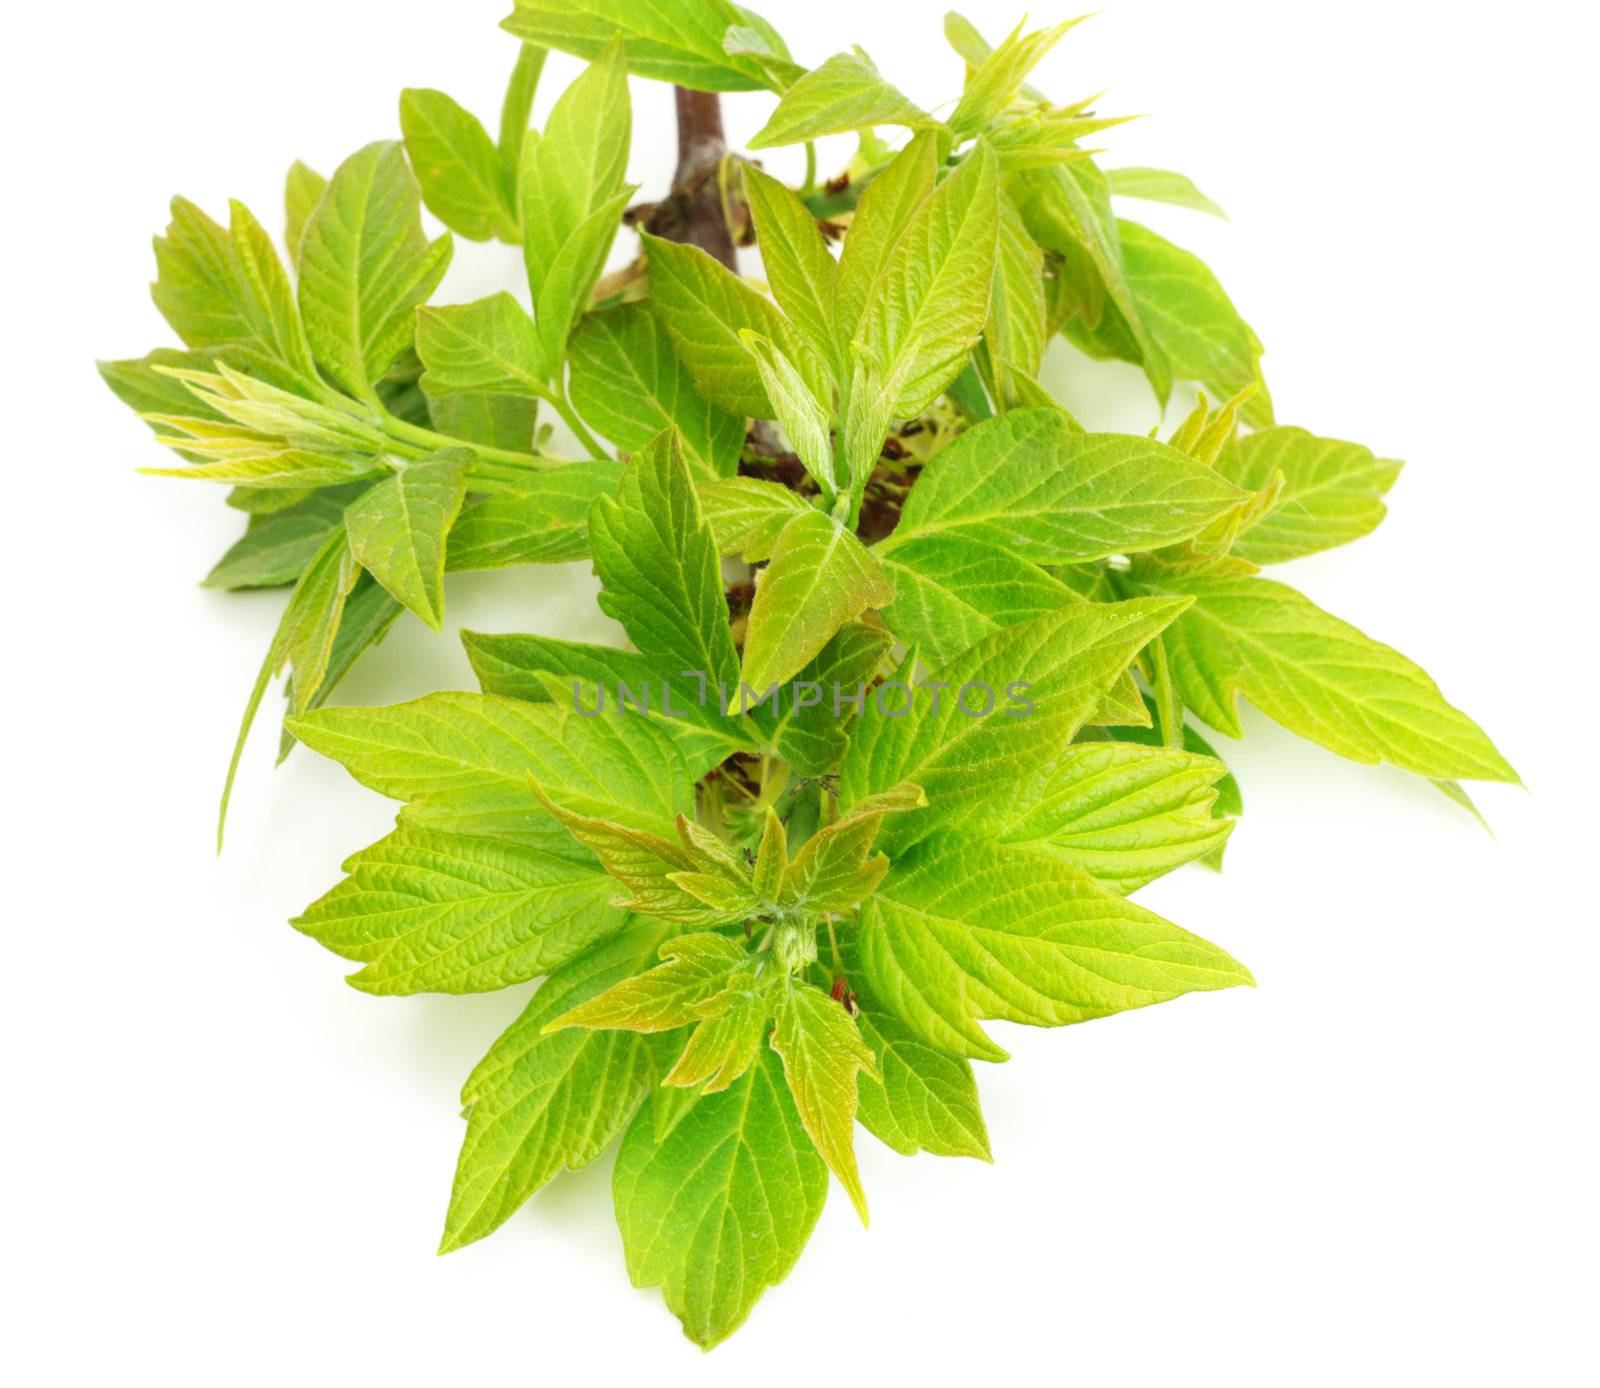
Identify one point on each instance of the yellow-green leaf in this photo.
(704, 307)
(629, 384)
(365, 266)
(926, 309)
(1320, 677)
(962, 930)
(536, 1105)
(799, 269)
(1332, 491)
(822, 1051)
(463, 180)
(843, 94)
(738, 1172)
(398, 529)
(819, 577)
(803, 418)
(689, 985)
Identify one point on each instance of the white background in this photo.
(227, 1167)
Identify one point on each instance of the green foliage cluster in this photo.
(762, 921)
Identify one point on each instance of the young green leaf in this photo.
(457, 165)
(772, 858)
(1205, 430)
(888, 206)
(225, 292)
(668, 879)
(462, 763)
(963, 36)
(803, 418)
(424, 911)
(950, 591)
(1230, 802)
(1067, 210)
(367, 614)
(719, 1209)
(832, 872)
(1332, 492)
(573, 189)
(1126, 814)
(302, 191)
(678, 41)
(1027, 481)
(724, 1046)
(1190, 319)
(994, 82)
(265, 416)
(822, 1051)
(746, 515)
(658, 567)
(691, 984)
(153, 386)
(488, 346)
(869, 410)
(242, 458)
(544, 520)
(572, 276)
(1045, 137)
(398, 529)
(1319, 677)
(1001, 711)
(1016, 330)
(810, 729)
(538, 1104)
(926, 309)
(277, 546)
(515, 111)
(629, 384)
(1123, 706)
(1162, 185)
(758, 43)
(800, 271)
(846, 93)
(961, 931)
(311, 620)
(527, 667)
(704, 308)
(819, 577)
(498, 422)
(365, 267)
(918, 1098)
(306, 640)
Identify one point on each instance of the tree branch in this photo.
(692, 213)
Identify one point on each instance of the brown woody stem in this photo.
(698, 204)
